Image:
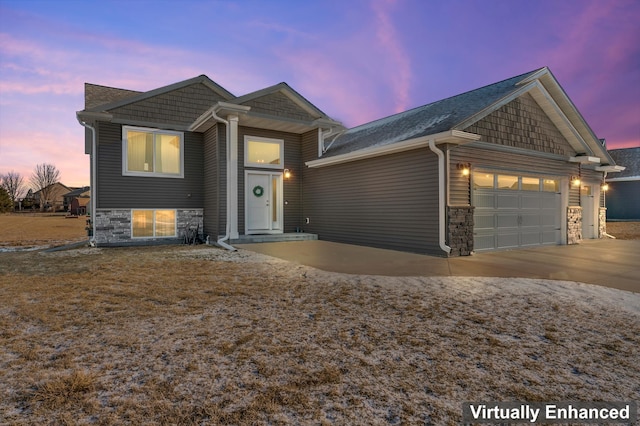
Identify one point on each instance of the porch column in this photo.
(233, 176)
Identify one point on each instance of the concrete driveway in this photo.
(611, 263)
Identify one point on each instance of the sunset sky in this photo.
(357, 60)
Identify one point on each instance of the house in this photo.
(77, 200)
(509, 165)
(52, 197)
(623, 194)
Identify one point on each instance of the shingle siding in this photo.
(118, 191)
(279, 105)
(179, 107)
(388, 202)
(522, 124)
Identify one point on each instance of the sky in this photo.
(356, 60)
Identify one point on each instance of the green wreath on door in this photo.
(258, 191)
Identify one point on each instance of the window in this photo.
(153, 223)
(483, 180)
(149, 152)
(508, 182)
(263, 152)
(550, 185)
(530, 184)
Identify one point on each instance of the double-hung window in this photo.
(152, 152)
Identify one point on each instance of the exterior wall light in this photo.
(605, 187)
(465, 168)
(575, 181)
(287, 173)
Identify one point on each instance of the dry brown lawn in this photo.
(36, 229)
(624, 230)
(198, 335)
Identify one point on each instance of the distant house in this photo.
(623, 194)
(77, 200)
(512, 164)
(55, 200)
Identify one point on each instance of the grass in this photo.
(40, 229)
(197, 335)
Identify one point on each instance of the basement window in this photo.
(153, 223)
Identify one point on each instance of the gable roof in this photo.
(140, 96)
(629, 158)
(461, 111)
(286, 90)
(95, 94)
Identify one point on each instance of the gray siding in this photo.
(279, 105)
(211, 182)
(388, 202)
(292, 187)
(623, 201)
(117, 191)
(179, 107)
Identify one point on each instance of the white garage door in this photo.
(515, 211)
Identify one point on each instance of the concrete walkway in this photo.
(611, 263)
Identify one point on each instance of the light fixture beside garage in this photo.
(287, 173)
(575, 180)
(465, 168)
(605, 187)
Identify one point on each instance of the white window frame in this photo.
(154, 237)
(260, 165)
(125, 159)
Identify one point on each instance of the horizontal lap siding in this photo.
(388, 202)
(211, 182)
(117, 191)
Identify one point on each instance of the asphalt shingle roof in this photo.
(426, 120)
(629, 158)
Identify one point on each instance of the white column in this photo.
(233, 176)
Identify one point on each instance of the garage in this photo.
(514, 211)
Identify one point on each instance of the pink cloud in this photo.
(401, 64)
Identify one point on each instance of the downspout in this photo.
(441, 196)
(221, 241)
(92, 178)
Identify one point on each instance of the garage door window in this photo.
(550, 185)
(530, 184)
(483, 180)
(508, 182)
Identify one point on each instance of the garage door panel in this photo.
(530, 220)
(485, 200)
(507, 201)
(484, 242)
(531, 201)
(550, 237)
(530, 238)
(509, 220)
(484, 221)
(508, 240)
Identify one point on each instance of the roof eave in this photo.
(457, 137)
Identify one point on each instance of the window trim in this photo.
(248, 138)
(155, 237)
(125, 158)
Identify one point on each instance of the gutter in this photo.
(221, 241)
(92, 178)
(441, 196)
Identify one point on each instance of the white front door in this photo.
(263, 202)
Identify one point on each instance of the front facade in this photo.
(509, 165)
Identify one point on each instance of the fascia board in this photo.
(611, 169)
(451, 136)
(584, 159)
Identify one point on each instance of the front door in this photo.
(263, 202)
(588, 211)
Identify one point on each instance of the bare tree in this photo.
(42, 179)
(13, 183)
